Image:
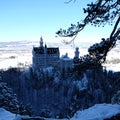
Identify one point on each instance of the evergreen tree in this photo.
(116, 98)
(8, 99)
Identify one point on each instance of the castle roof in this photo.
(38, 50)
(52, 50)
(43, 50)
(65, 57)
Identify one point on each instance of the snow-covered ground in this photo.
(97, 112)
(5, 115)
(13, 54)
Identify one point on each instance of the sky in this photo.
(31, 19)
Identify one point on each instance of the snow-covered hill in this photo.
(6, 115)
(97, 112)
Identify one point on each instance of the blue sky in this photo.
(30, 19)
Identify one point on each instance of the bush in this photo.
(116, 98)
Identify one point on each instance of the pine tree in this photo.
(116, 98)
(8, 99)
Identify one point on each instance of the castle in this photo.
(44, 57)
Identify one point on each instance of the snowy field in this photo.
(97, 112)
(14, 54)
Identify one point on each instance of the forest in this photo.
(58, 97)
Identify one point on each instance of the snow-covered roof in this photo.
(65, 57)
(41, 50)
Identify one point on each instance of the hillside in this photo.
(97, 112)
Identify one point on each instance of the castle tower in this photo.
(45, 45)
(44, 56)
(77, 52)
(41, 42)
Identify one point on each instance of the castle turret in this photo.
(45, 46)
(41, 42)
(77, 52)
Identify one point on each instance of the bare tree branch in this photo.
(67, 2)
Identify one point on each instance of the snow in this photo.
(97, 112)
(81, 84)
(48, 70)
(113, 67)
(65, 57)
(5, 115)
(20, 58)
